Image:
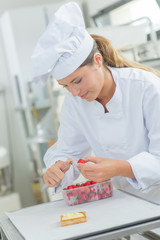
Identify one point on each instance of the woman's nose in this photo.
(74, 91)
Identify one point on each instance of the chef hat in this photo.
(64, 45)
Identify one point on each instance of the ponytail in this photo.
(111, 57)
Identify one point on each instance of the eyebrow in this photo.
(69, 82)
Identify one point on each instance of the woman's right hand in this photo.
(55, 174)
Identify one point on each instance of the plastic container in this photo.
(87, 192)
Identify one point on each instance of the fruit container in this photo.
(87, 192)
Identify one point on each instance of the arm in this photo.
(146, 165)
(71, 144)
(105, 168)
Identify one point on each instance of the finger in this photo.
(59, 173)
(56, 176)
(87, 167)
(66, 165)
(70, 161)
(55, 171)
(49, 184)
(53, 182)
(89, 177)
(90, 159)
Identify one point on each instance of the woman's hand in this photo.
(56, 172)
(104, 168)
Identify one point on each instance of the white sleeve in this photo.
(71, 143)
(146, 165)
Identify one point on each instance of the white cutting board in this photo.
(43, 221)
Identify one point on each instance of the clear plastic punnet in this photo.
(87, 192)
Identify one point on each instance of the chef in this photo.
(111, 109)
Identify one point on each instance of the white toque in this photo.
(64, 45)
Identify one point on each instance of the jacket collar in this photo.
(114, 106)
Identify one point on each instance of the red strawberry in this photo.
(84, 196)
(80, 200)
(81, 161)
(92, 196)
(74, 192)
(71, 187)
(103, 195)
(82, 184)
(103, 184)
(87, 190)
(69, 196)
(79, 193)
(98, 196)
(93, 182)
(106, 189)
(93, 189)
(101, 191)
(87, 183)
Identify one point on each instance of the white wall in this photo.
(11, 137)
(14, 4)
(94, 5)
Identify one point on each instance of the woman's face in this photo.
(86, 82)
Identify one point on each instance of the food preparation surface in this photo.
(120, 212)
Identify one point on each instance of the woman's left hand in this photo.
(104, 168)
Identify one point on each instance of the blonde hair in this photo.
(111, 57)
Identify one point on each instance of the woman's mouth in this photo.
(84, 95)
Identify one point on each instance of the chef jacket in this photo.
(129, 131)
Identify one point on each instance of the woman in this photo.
(112, 108)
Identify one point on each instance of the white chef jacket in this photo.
(130, 131)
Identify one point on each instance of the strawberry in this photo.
(93, 189)
(69, 196)
(101, 191)
(87, 183)
(74, 192)
(98, 196)
(84, 196)
(82, 184)
(92, 182)
(92, 196)
(80, 200)
(81, 161)
(103, 195)
(79, 193)
(87, 190)
(103, 184)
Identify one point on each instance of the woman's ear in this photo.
(98, 59)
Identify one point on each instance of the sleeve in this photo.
(146, 165)
(71, 143)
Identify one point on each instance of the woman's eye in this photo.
(78, 81)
